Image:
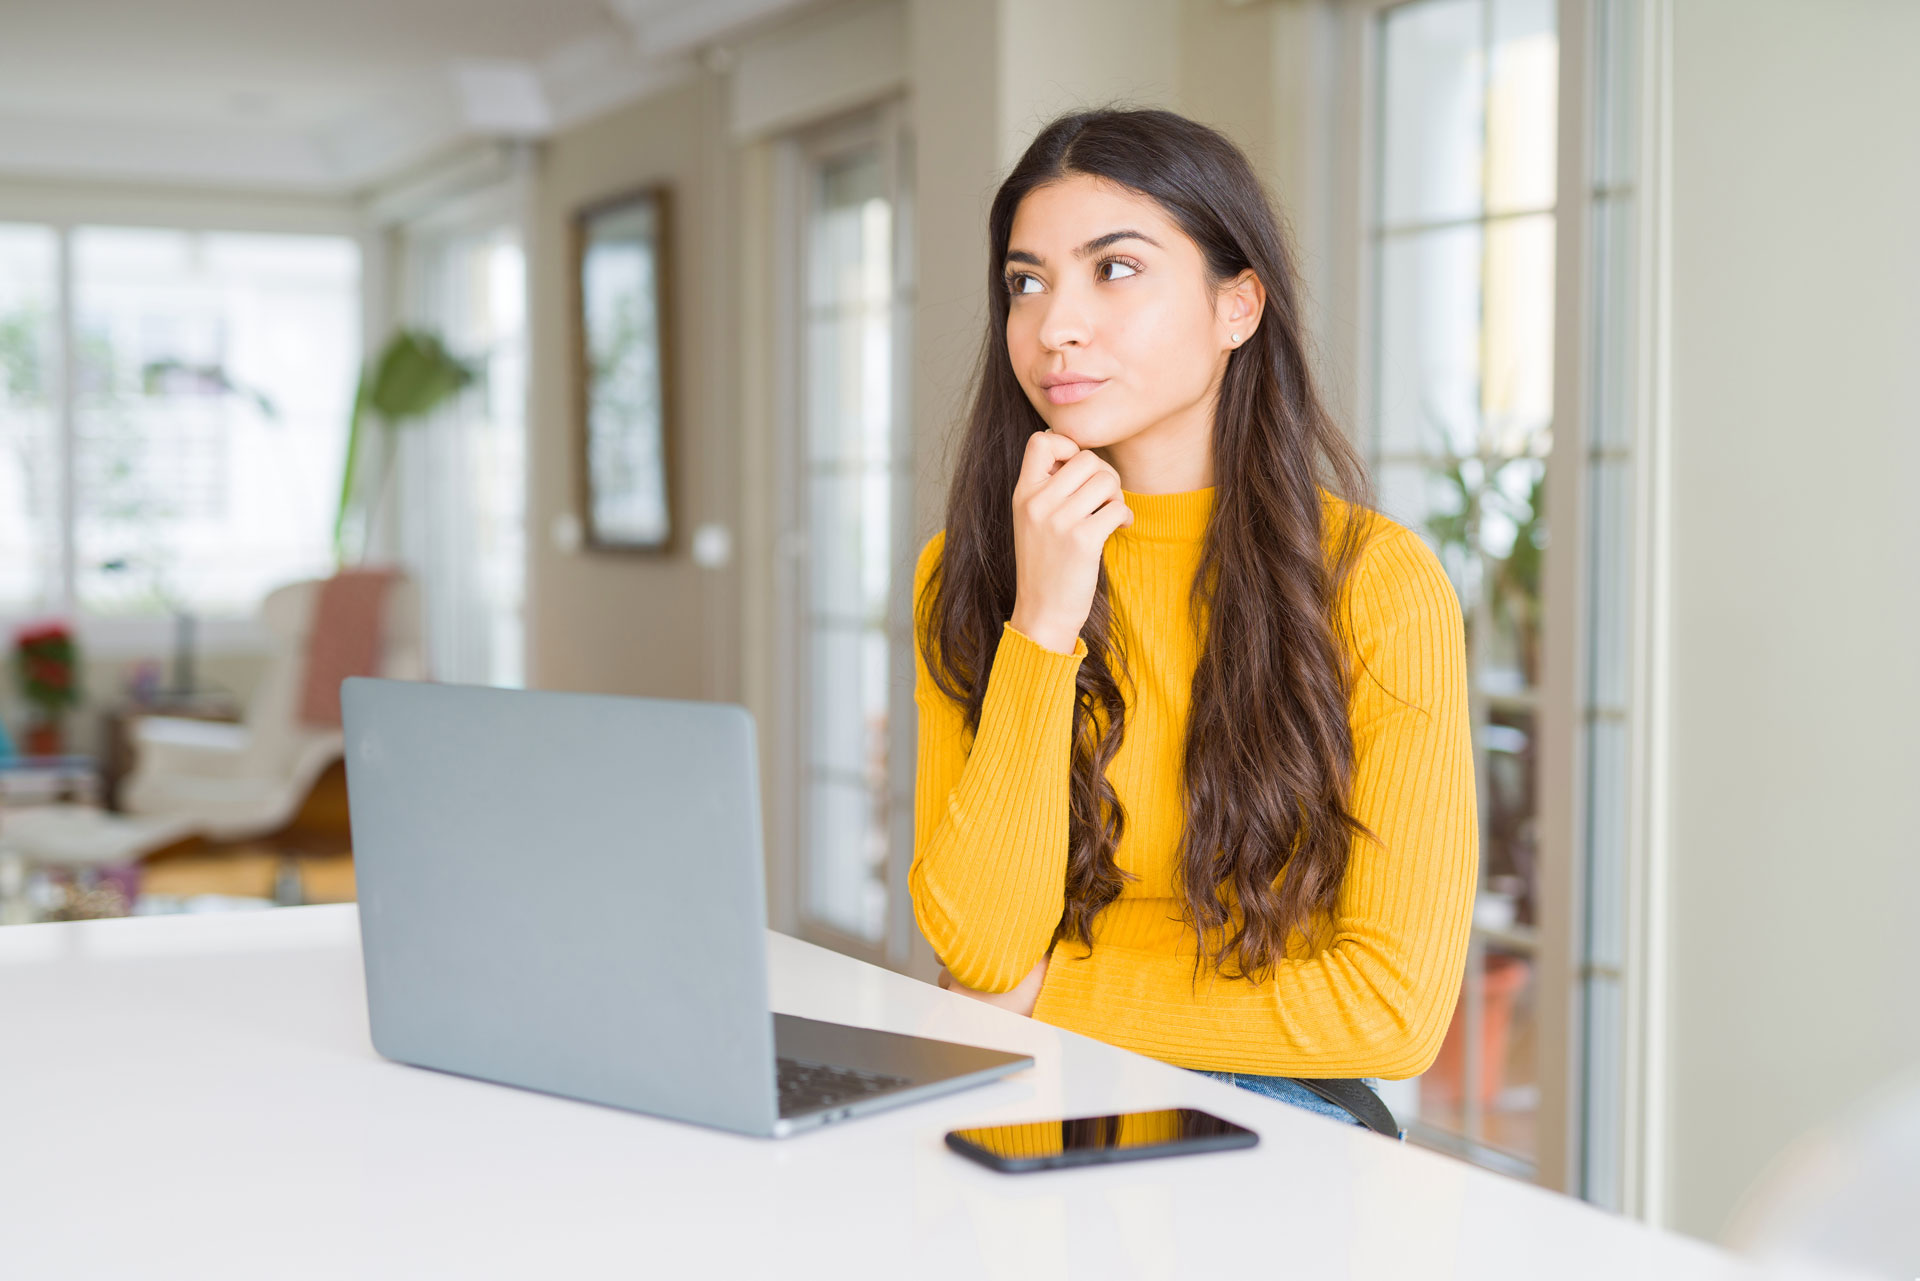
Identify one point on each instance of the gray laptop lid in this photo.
(565, 892)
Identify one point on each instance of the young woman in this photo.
(1194, 773)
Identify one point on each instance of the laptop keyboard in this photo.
(806, 1087)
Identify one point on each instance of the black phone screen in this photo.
(1090, 1140)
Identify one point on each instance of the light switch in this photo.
(567, 532)
(712, 546)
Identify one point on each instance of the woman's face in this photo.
(1113, 329)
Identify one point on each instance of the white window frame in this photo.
(1608, 1139)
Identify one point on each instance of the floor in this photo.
(310, 860)
(1509, 1120)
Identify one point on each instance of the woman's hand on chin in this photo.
(1020, 1000)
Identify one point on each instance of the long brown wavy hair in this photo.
(1269, 754)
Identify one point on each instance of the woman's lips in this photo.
(1067, 393)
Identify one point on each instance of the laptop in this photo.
(566, 892)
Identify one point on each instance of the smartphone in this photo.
(1093, 1140)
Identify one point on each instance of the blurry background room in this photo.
(616, 345)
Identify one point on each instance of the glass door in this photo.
(850, 504)
(1463, 257)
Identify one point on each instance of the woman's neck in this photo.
(1174, 457)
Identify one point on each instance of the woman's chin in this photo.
(1084, 431)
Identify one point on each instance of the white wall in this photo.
(986, 75)
(1796, 576)
(633, 623)
(1062, 55)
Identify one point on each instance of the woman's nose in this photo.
(1065, 324)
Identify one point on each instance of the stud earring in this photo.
(1236, 337)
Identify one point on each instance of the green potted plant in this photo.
(1507, 479)
(413, 376)
(46, 667)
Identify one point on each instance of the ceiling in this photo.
(321, 95)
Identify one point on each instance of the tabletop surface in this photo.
(196, 1096)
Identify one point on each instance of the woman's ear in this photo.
(1237, 312)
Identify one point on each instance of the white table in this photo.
(197, 1097)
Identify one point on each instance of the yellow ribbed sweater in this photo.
(1371, 991)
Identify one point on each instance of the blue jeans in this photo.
(1288, 1090)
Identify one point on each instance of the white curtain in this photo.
(460, 474)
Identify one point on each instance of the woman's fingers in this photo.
(1073, 490)
(1056, 495)
(1045, 452)
(1099, 489)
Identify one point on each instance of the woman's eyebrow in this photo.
(1093, 246)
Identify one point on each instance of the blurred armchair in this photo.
(233, 782)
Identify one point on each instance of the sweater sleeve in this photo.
(989, 871)
(1377, 999)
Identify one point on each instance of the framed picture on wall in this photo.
(623, 404)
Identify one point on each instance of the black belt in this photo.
(1356, 1098)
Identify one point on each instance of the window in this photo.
(853, 478)
(1462, 237)
(174, 413)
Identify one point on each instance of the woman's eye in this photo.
(1017, 283)
(1127, 269)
